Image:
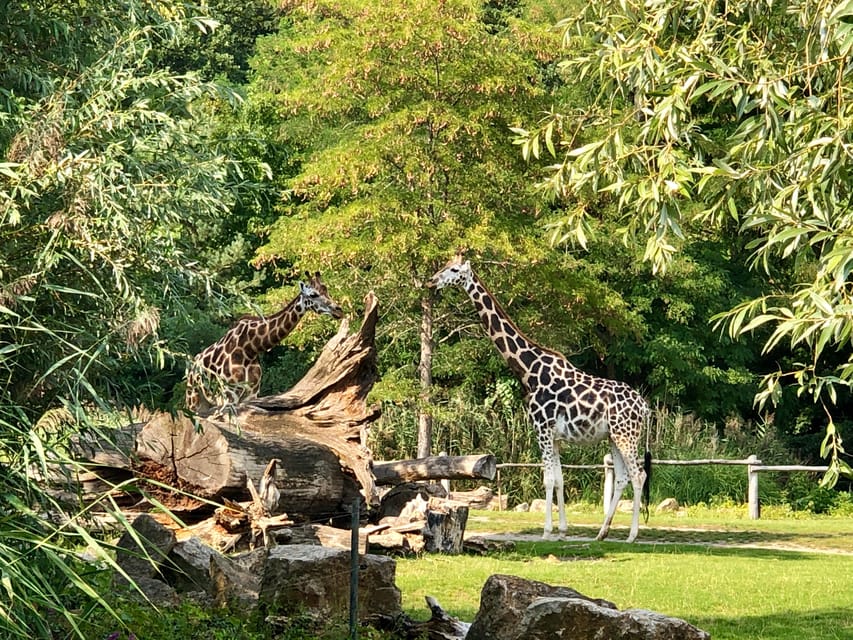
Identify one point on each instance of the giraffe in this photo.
(229, 371)
(563, 403)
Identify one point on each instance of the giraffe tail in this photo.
(647, 467)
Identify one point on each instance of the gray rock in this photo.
(548, 618)
(669, 504)
(314, 578)
(538, 506)
(143, 552)
(190, 565)
(504, 601)
(233, 583)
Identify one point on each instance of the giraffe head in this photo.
(457, 271)
(314, 296)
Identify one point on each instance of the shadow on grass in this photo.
(701, 536)
(576, 550)
(823, 624)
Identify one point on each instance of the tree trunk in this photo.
(317, 430)
(435, 468)
(425, 376)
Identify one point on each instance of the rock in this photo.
(548, 618)
(190, 565)
(156, 592)
(625, 506)
(523, 507)
(251, 561)
(504, 600)
(512, 608)
(143, 552)
(538, 506)
(317, 579)
(667, 505)
(234, 582)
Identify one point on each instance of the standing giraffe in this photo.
(564, 403)
(229, 371)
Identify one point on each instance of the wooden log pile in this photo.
(293, 460)
(303, 451)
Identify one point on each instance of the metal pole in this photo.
(353, 582)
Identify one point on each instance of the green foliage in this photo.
(107, 173)
(223, 50)
(422, 165)
(193, 622)
(734, 115)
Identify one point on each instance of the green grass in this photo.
(777, 528)
(731, 592)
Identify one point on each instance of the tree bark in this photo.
(425, 376)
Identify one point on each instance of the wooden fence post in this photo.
(608, 482)
(498, 480)
(752, 488)
(445, 482)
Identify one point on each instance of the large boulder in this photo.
(236, 580)
(548, 618)
(504, 600)
(190, 565)
(298, 577)
(513, 608)
(143, 550)
(142, 553)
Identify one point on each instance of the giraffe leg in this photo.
(549, 479)
(620, 481)
(638, 478)
(561, 494)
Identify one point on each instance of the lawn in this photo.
(771, 579)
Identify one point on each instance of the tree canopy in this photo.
(108, 171)
(727, 115)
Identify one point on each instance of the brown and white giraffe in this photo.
(563, 403)
(229, 371)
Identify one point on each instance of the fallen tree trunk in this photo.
(435, 468)
(316, 430)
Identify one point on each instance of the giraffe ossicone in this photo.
(564, 404)
(229, 371)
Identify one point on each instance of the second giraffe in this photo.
(229, 371)
(563, 403)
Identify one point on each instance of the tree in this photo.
(106, 168)
(725, 114)
(222, 52)
(401, 113)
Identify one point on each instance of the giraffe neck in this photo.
(268, 332)
(518, 351)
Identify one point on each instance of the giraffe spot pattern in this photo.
(563, 403)
(229, 370)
